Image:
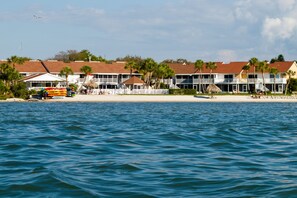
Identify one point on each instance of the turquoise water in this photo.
(148, 150)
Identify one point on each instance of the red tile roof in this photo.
(97, 67)
(225, 68)
(119, 67)
(29, 67)
(133, 81)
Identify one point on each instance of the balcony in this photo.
(106, 80)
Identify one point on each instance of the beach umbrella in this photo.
(212, 88)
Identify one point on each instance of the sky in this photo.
(211, 30)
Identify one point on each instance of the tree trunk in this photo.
(255, 78)
(200, 81)
(287, 86)
(247, 82)
(264, 87)
(274, 84)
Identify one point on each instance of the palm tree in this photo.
(131, 64)
(211, 66)
(9, 78)
(262, 67)
(147, 67)
(13, 60)
(289, 73)
(162, 71)
(274, 71)
(199, 66)
(253, 62)
(246, 68)
(66, 71)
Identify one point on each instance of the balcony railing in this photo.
(106, 80)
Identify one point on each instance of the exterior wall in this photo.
(293, 68)
(230, 82)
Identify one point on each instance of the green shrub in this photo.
(73, 87)
(3, 97)
(19, 90)
(182, 91)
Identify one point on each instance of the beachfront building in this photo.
(229, 77)
(41, 80)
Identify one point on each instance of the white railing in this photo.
(106, 80)
(128, 91)
(251, 80)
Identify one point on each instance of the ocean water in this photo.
(148, 150)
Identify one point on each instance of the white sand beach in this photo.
(170, 98)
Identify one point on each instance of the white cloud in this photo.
(286, 5)
(279, 28)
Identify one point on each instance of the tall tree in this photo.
(246, 68)
(74, 55)
(274, 71)
(66, 71)
(253, 62)
(211, 66)
(147, 68)
(199, 66)
(290, 74)
(280, 58)
(263, 67)
(10, 84)
(131, 65)
(13, 60)
(162, 71)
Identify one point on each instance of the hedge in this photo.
(182, 91)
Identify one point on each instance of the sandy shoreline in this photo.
(169, 98)
(162, 98)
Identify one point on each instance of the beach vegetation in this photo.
(162, 71)
(253, 62)
(199, 66)
(128, 58)
(290, 74)
(246, 68)
(66, 71)
(10, 79)
(74, 55)
(182, 91)
(73, 86)
(179, 60)
(274, 71)
(293, 85)
(262, 67)
(131, 65)
(280, 58)
(146, 68)
(17, 60)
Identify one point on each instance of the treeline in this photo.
(10, 79)
(152, 72)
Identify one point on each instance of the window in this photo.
(81, 75)
(272, 76)
(252, 76)
(228, 76)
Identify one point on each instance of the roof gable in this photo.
(43, 77)
(133, 81)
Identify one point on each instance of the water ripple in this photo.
(148, 150)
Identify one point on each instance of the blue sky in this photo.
(212, 30)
